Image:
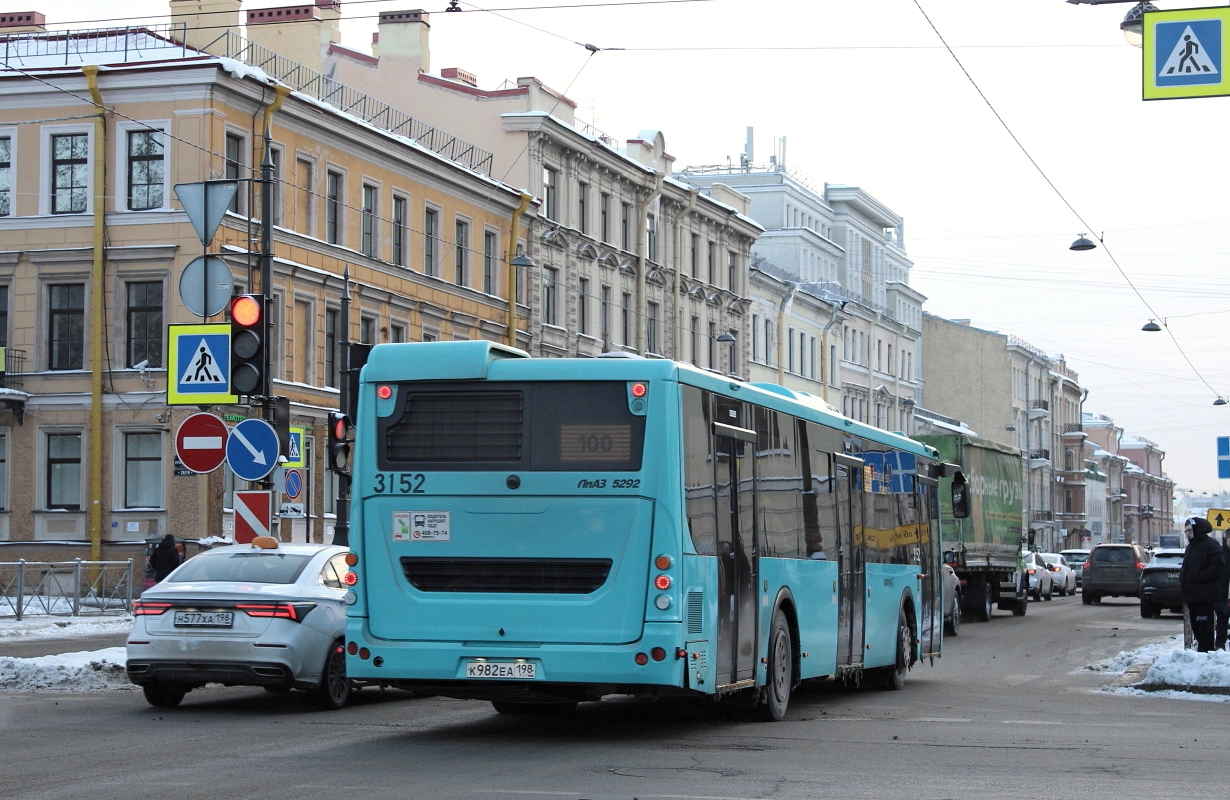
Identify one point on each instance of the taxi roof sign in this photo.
(1183, 53)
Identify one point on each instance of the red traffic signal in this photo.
(249, 342)
(339, 443)
(246, 310)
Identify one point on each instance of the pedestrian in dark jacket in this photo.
(165, 558)
(1200, 579)
(1222, 607)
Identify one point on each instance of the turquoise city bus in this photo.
(540, 532)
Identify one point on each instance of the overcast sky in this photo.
(880, 104)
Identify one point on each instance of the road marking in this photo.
(938, 719)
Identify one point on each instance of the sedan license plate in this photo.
(204, 619)
(502, 670)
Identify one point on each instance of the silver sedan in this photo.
(266, 614)
(1062, 574)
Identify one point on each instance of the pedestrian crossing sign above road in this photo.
(295, 456)
(1183, 53)
(199, 365)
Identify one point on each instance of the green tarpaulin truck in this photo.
(984, 549)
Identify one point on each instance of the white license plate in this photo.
(502, 670)
(204, 619)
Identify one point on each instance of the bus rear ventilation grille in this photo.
(507, 575)
(696, 612)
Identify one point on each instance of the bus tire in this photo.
(779, 674)
(894, 676)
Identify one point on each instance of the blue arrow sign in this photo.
(1223, 457)
(252, 449)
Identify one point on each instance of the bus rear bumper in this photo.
(556, 666)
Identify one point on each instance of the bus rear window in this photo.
(547, 426)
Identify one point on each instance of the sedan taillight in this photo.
(149, 608)
(295, 612)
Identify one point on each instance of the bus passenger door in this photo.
(851, 591)
(737, 573)
(930, 633)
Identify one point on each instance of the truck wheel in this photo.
(984, 612)
(1018, 610)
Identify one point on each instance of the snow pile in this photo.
(1126, 659)
(1190, 668)
(91, 671)
(44, 627)
(1166, 694)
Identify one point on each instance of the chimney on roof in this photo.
(22, 22)
(207, 22)
(301, 33)
(404, 37)
(459, 75)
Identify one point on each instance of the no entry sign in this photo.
(200, 442)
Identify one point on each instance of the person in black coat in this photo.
(165, 558)
(1200, 579)
(1222, 606)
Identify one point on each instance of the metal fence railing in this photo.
(66, 588)
(51, 48)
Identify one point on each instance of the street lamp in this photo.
(1221, 401)
(1133, 24)
(1151, 327)
(1081, 244)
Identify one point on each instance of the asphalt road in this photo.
(1002, 715)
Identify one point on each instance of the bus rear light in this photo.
(662, 582)
(658, 654)
(352, 559)
(662, 602)
(147, 608)
(384, 391)
(663, 562)
(641, 659)
(639, 389)
(350, 578)
(364, 653)
(352, 648)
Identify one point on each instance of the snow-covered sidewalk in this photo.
(90, 671)
(48, 627)
(1165, 669)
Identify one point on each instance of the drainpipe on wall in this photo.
(94, 515)
(642, 259)
(693, 194)
(512, 270)
(782, 310)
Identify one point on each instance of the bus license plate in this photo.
(204, 619)
(502, 670)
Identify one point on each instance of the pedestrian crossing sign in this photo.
(1183, 53)
(199, 365)
(295, 457)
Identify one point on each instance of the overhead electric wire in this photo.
(1061, 196)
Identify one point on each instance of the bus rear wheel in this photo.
(894, 676)
(779, 676)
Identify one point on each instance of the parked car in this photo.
(265, 614)
(1062, 574)
(1113, 570)
(1076, 560)
(1041, 584)
(1159, 583)
(952, 602)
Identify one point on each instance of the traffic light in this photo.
(339, 442)
(249, 342)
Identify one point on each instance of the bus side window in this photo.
(819, 499)
(779, 483)
(700, 495)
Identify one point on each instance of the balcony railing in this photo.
(12, 368)
(1073, 427)
(1043, 516)
(86, 46)
(1042, 454)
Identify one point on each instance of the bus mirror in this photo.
(960, 496)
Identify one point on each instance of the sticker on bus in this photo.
(421, 526)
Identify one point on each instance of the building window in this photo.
(489, 261)
(6, 176)
(732, 276)
(768, 342)
(399, 231)
(652, 226)
(550, 193)
(651, 327)
(369, 241)
(367, 330)
(814, 373)
(712, 264)
(790, 351)
(625, 318)
(66, 326)
(755, 337)
(397, 334)
(695, 256)
(549, 311)
(582, 215)
(234, 164)
(146, 170)
(713, 345)
(463, 252)
(333, 207)
(142, 470)
(431, 234)
(304, 173)
(604, 314)
(583, 305)
(70, 177)
(832, 365)
(64, 471)
(625, 214)
(145, 323)
(694, 332)
(331, 318)
(803, 355)
(605, 211)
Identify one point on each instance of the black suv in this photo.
(1113, 570)
(1159, 583)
